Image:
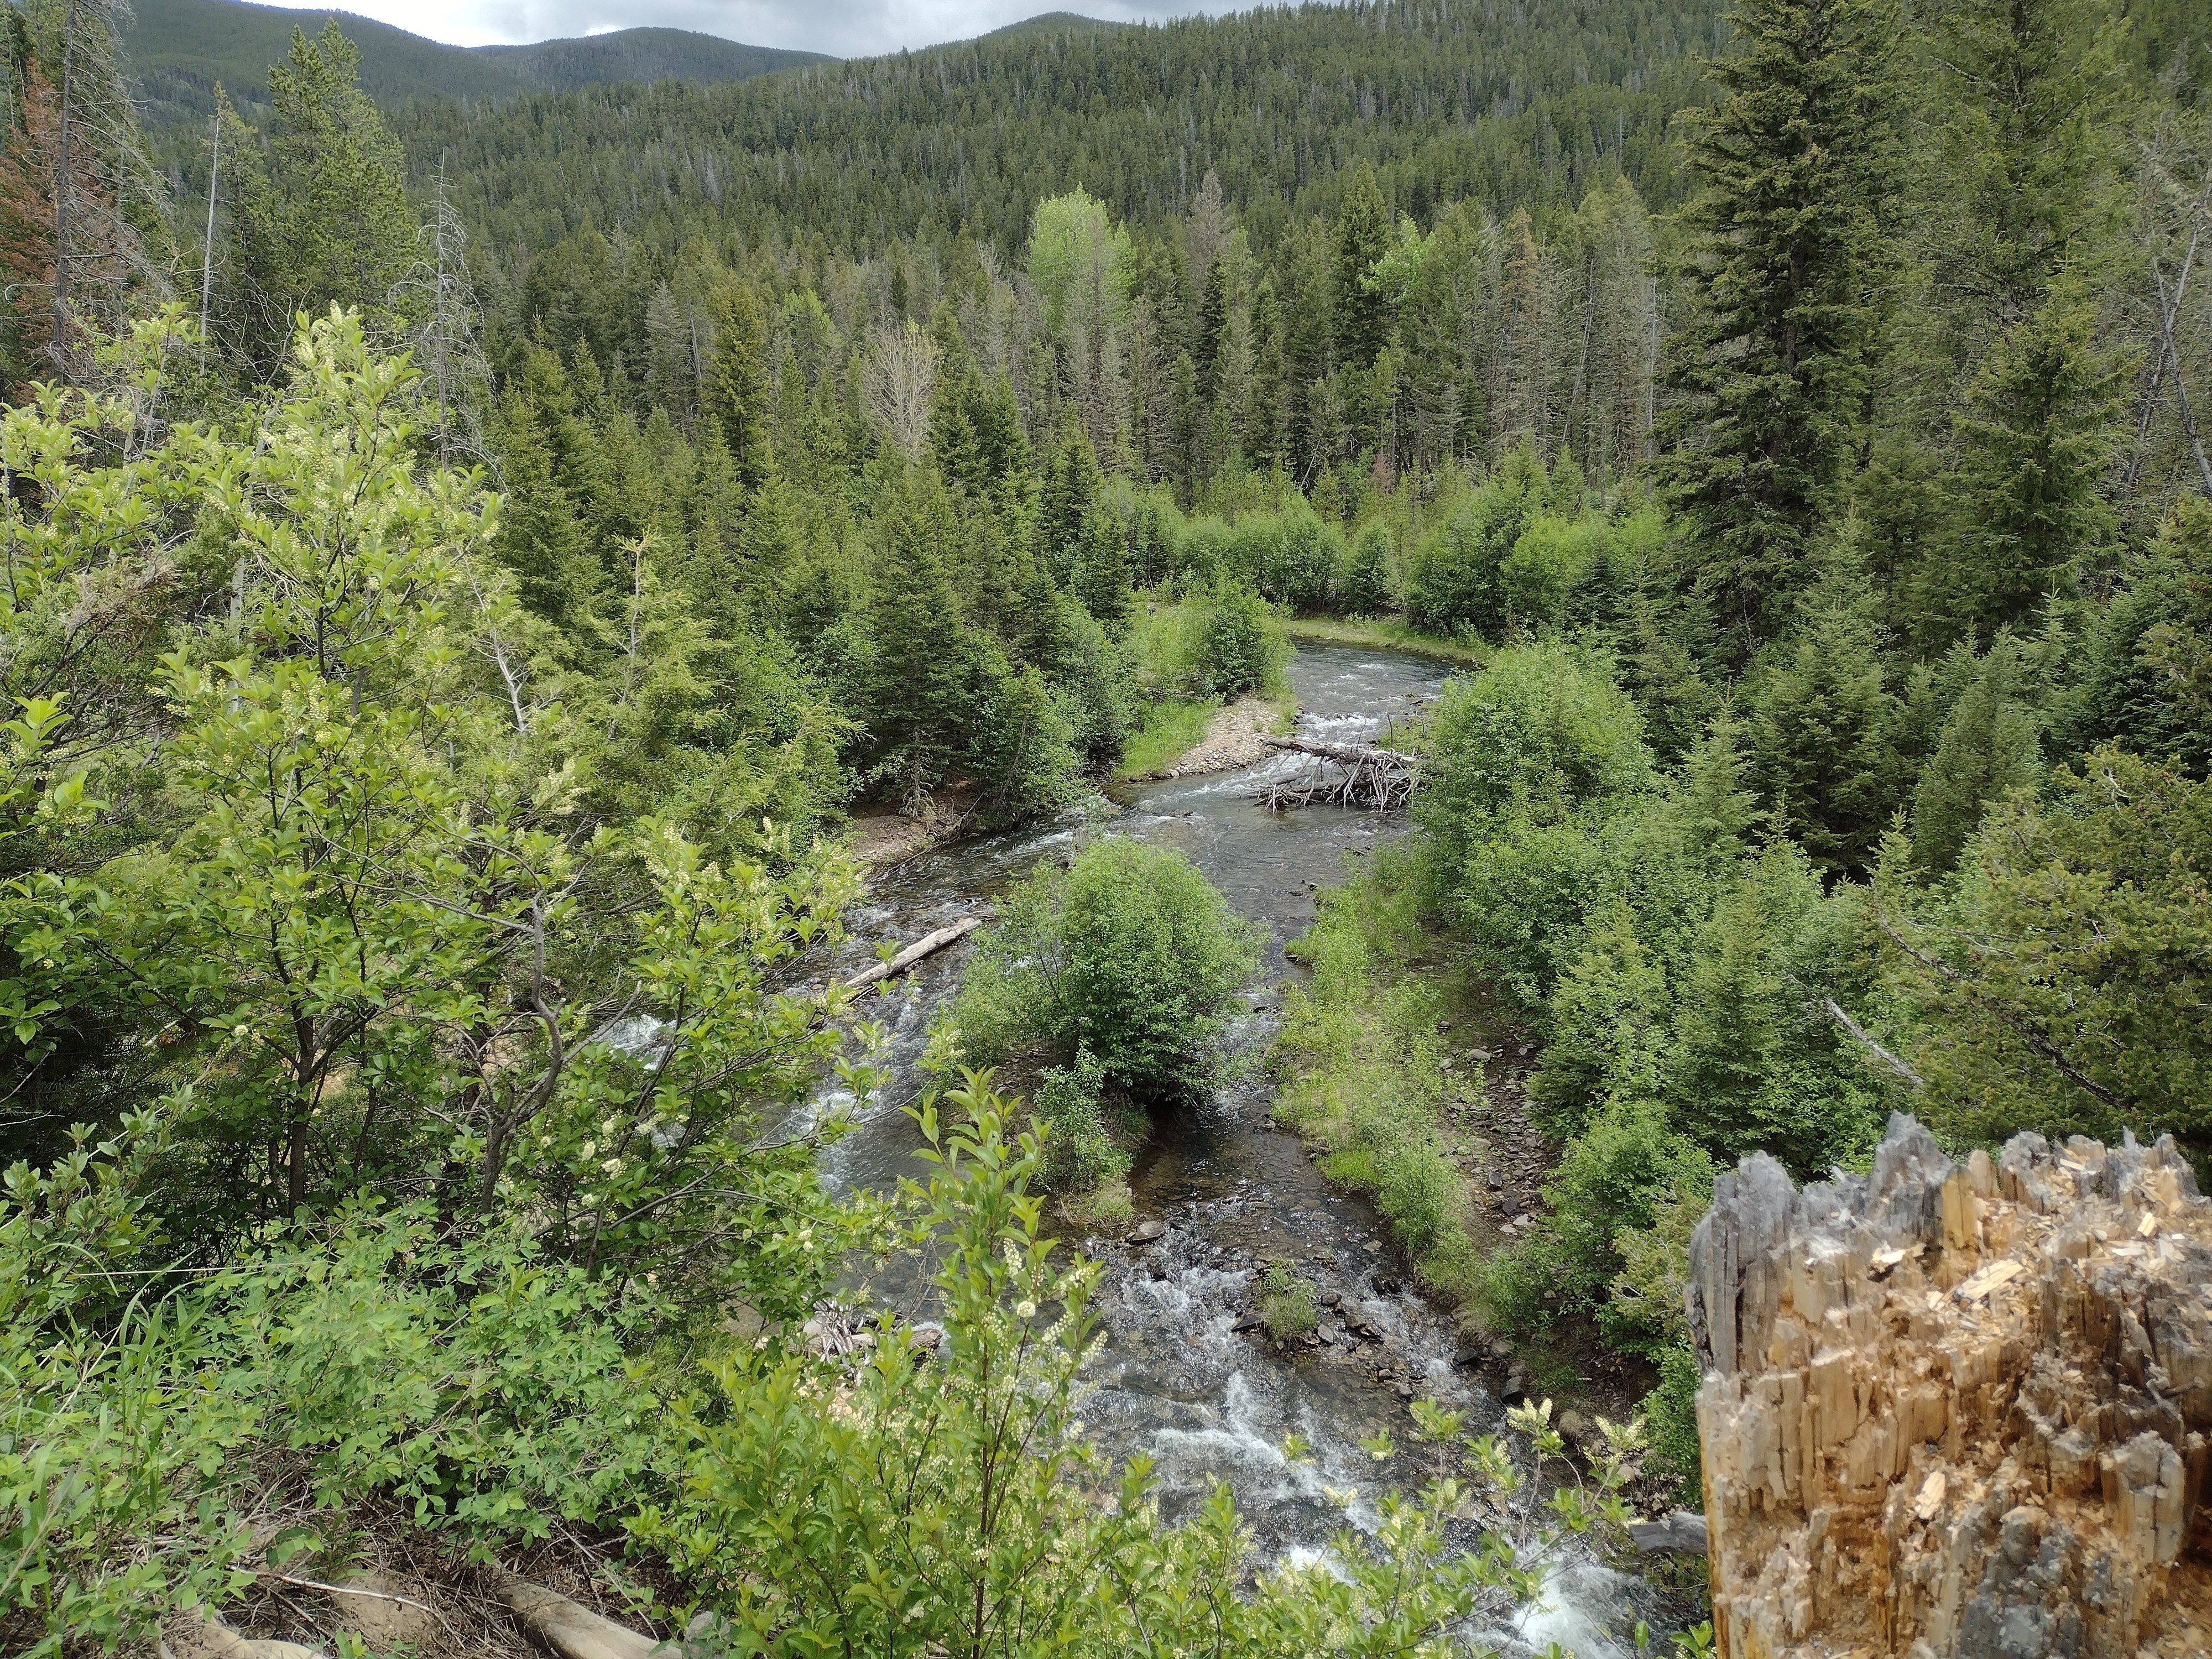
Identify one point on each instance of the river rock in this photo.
(1331, 1298)
(1957, 1411)
(1146, 1231)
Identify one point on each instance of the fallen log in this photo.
(1682, 1533)
(1346, 754)
(213, 1639)
(572, 1631)
(928, 945)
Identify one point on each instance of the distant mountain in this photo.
(1046, 22)
(180, 50)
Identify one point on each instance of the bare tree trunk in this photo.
(62, 183)
(207, 263)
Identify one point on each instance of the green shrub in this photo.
(1362, 580)
(1455, 579)
(1543, 729)
(1206, 551)
(1363, 1082)
(1670, 1419)
(1080, 1156)
(1610, 1184)
(1609, 1029)
(1129, 952)
(1240, 645)
(1301, 556)
(1757, 1062)
(1988, 747)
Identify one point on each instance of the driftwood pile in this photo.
(1345, 775)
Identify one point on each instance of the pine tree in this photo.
(326, 221)
(1264, 420)
(1187, 429)
(1989, 749)
(1818, 716)
(1071, 488)
(1363, 236)
(1789, 259)
(2038, 431)
(2030, 91)
(1101, 580)
(1212, 325)
(538, 534)
(736, 392)
(921, 653)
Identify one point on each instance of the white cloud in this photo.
(845, 28)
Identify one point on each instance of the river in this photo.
(1172, 1377)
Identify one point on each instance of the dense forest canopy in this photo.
(469, 563)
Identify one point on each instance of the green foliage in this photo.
(1819, 716)
(1759, 1062)
(1454, 578)
(1128, 953)
(1363, 584)
(157, 1430)
(1671, 1409)
(1079, 1155)
(2054, 984)
(1536, 773)
(1240, 645)
(1609, 1184)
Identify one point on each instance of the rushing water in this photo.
(1173, 1377)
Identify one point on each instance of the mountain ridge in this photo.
(180, 50)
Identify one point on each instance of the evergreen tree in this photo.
(1101, 579)
(1072, 484)
(1989, 749)
(1187, 429)
(1212, 325)
(737, 391)
(1363, 236)
(2038, 431)
(1264, 421)
(2030, 91)
(538, 535)
(920, 654)
(1817, 717)
(325, 221)
(1789, 261)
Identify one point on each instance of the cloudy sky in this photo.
(846, 28)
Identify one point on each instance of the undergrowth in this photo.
(1359, 1059)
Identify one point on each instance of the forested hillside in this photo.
(471, 565)
(1526, 105)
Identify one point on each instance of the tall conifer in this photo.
(1789, 259)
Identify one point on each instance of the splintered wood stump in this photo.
(1349, 775)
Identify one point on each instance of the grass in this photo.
(1287, 1304)
(1387, 632)
(1172, 728)
(1360, 1058)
